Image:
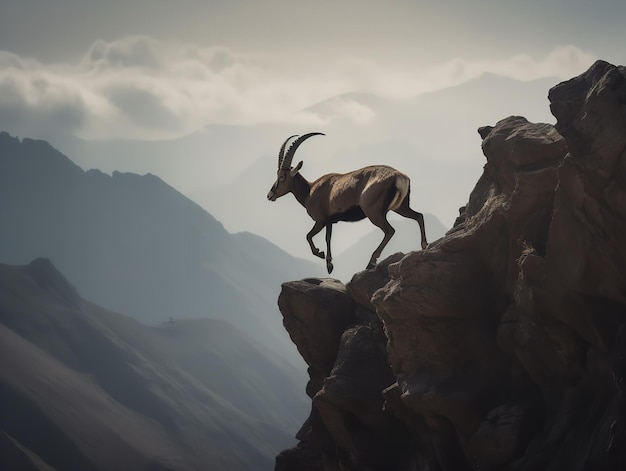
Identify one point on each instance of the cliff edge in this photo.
(502, 346)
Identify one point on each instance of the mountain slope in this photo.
(85, 388)
(134, 244)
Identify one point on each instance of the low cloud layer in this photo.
(139, 87)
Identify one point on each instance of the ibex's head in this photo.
(286, 172)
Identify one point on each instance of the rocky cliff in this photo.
(502, 346)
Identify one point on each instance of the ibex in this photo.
(368, 192)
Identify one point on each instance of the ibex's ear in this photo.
(296, 169)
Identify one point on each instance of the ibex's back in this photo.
(368, 192)
(348, 193)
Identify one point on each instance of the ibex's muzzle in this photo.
(271, 195)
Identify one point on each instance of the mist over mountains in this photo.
(228, 169)
(135, 245)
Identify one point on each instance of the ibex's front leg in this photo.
(329, 257)
(312, 233)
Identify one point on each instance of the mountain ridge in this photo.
(108, 392)
(136, 245)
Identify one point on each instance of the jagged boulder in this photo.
(345, 347)
(315, 313)
(502, 345)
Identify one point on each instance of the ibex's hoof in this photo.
(320, 254)
(329, 267)
(424, 245)
(370, 266)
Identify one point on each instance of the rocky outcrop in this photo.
(502, 346)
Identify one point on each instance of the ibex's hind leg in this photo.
(389, 232)
(329, 257)
(407, 212)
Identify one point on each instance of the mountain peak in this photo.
(33, 155)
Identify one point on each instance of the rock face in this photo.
(503, 345)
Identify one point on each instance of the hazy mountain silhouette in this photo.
(83, 388)
(133, 244)
(432, 138)
(203, 158)
(229, 169)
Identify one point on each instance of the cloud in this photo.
(32, 98)
(140, 87)
(143, 107)
(138, 51)
(354, 111)
(563, 62)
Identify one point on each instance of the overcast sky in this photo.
(158, 68)
(162, 69)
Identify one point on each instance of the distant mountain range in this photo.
(83, 388)
(228, 169)
(135, 245)
(432, 138)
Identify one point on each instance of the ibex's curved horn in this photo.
(286, 163)
(282, 149)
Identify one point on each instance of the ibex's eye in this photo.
(281, 178)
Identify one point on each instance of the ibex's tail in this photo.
(402, 189)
